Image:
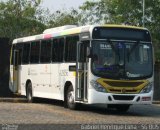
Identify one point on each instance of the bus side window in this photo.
(26, 51)
(58, 50)
(54, 54)
(83, 51)
(70, 48)
(61, 49)
(35, 49)
(19, 48)
(45, 56)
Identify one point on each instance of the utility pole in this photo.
(143, 13)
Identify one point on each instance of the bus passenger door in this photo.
(16, 69)
(81, 89)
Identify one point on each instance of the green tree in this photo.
(20, 18)
(63, 17)
(113, 11)
(93, 12)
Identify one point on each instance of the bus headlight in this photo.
(148, 88)
(97, 86)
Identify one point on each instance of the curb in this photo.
(156, 102)
(24, 100)
(13, 100)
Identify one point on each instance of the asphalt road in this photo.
(49, 112)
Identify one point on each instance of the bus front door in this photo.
(81, 89)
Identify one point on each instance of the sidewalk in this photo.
(156, 102)
(13, 99)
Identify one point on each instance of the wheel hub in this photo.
(71, 97)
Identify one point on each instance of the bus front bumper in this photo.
(96, 97)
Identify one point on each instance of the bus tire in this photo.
(29, 94)
(122, 107)
(70, 98)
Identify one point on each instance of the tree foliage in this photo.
(20, 18)
(63, 17)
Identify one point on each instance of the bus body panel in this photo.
(50, 87)
(103, 98)
(25, 72)
(11, 79)
(95, 97)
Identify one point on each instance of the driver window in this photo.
(109, 57)
(104, 55)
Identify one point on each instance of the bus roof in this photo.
(67, 30)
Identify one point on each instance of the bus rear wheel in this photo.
(29, 94)
(70, 102)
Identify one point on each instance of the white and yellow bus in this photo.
(103, 64)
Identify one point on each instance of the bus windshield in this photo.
(122, 59)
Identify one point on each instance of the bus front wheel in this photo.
(29, 94)
(70, 98)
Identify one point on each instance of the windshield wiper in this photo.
(132, 49)
(113, 48)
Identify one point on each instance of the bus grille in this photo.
(121, 91)
(121, 97)
(123, 84)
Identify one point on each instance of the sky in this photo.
(54, 5)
